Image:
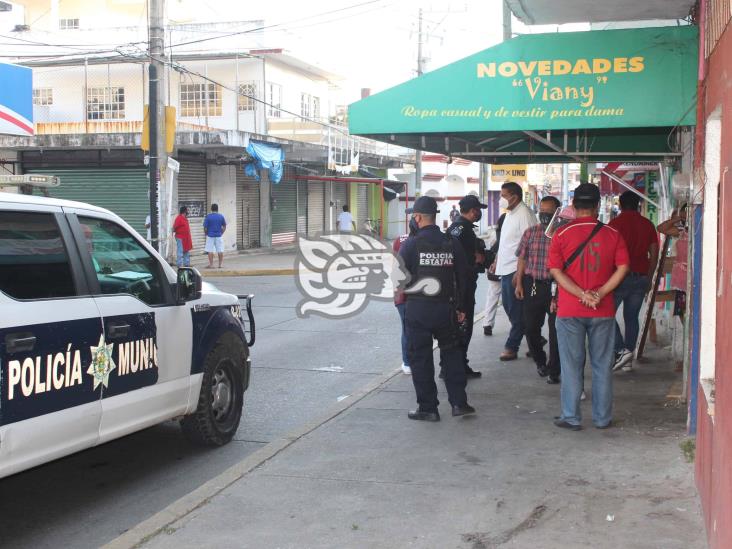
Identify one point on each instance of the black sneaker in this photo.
(472, 374)
(542, 371)
(553, 380)
(464, 410)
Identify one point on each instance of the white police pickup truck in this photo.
(99, 337)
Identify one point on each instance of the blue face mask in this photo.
(413, 227)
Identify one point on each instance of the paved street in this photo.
(301, 368)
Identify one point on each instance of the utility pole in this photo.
(420, 70)
(507, 34)
(156, 116)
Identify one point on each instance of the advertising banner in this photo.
(16, 100)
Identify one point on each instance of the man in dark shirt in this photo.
(436, 303)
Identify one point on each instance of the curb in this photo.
(146, 530)
(213, 273)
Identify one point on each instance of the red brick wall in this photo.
(714, 438)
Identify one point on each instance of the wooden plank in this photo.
(652, 299)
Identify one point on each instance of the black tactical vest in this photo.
(435, 261)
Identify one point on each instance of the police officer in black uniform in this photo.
(434, 311)
(462, 229)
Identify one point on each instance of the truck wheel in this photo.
(217, 416)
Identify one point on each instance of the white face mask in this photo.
(503, 203)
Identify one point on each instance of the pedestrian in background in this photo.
(345, 223)
(588, 260)
(400, 300)
(183, 240)
(641, 240)
(534, 288)
(471, 211)
(454, 214)
(493, 293)
(214, 225)
(519, 217)
(430, 254)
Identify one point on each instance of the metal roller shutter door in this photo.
(362, 205)
(247, 211)
(122, 191)
(193, 192)
(284, 214)
(316, 207)
(340, 197)
(302, 207)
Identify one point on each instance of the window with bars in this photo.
(105, 103)
(274, 100)
(316, 107)
(43, 96)
(305, 103)
(202, 99)
(247, 93)
(68, 24)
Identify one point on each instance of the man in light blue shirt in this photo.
(214, 225)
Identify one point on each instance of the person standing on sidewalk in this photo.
(471, 211)
(518, 218)
(493, 293)
(214, 225)
(534, 288)
(183, 240)
(454, 214)
(434, 312)
(588, 260)
(400, 299)
(641, 240)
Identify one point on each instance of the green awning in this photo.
(584, 96)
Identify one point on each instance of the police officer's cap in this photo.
(469, 202)
(424, 205)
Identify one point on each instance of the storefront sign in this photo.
(600, 79)
(508, 172)
(16, 100)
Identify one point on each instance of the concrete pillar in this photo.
(222, 191)
(265, 211)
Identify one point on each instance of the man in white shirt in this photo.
(518, 218)
(345, 222)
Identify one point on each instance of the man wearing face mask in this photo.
(534, 289)
(462, 229)
(518, 218)
(400, 299)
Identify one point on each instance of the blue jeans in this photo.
(514, 310)
(572, 332)
(183, 258)
(402, 308)
(630, 293)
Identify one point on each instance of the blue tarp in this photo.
(266, 157)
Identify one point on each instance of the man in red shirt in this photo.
(183, 240)
(588, 260)
(641, 240)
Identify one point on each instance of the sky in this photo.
(370, 44)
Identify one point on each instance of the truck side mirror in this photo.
(188, 286)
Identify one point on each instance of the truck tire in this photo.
(220, 401)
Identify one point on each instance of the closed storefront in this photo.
(362, 205)
(123, 191)
(316, 207)
(193, 193)
(302, 207)
(247, 211)
(284, 211)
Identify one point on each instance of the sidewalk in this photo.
(369, 477)
(258, 262)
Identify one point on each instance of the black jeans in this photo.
(536, 307)
(426, 320)
(467, 334)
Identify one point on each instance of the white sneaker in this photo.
(628, 366)
(622, 358)
(583, 396)
(406, 370)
